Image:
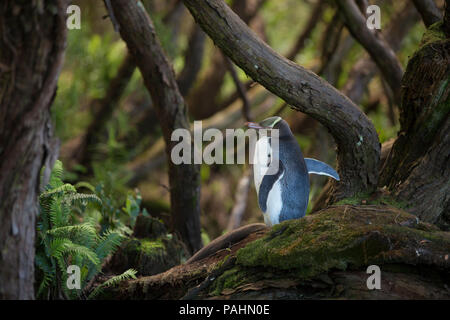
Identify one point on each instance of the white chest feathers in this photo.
(274, 204)
(261, 162)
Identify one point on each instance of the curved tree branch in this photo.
(309, 28)
(192, 60)
(240, 87)
(329, 45)
(103, 112)
(358, 145)
(202, 101)
(429, 11)
(446, 25)
(365, 69)
(375, 45)
(136, 28)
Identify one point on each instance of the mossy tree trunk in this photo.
(32, 43)
(417, 169)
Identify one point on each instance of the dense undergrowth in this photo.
(79, 225)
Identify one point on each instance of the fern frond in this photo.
(83, 184)
(108, 243)
(59, 214)
(81, 198)
(56, 175)
(45, 283)
(82, 251)
(60, 247)
(83, 233)
(42, 263)
(65, 188)
(58, 169)
(114, 281)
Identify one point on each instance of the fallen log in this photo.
(321, 256)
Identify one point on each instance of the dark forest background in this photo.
(86, 117)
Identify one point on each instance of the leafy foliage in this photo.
(68, 235)
(130, 273)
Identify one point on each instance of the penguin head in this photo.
(273, 123)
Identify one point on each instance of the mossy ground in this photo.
(374, 199)
(338, 238)
(151, 250)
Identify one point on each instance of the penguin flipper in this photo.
(318, 167)
(266, 185)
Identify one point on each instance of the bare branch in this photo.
(446, 26)
(103, 110)
(192, 60)
(365, 69)
(330, 41)
(202, 101)
(309, 28)
(429, 11)
(358, 145)
(375, 45)
(137, 30)
(240, 87)
(241, 199)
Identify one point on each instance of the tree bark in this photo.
(429, 11)
(307, 31)
(32, 44)
(203, 100)
(330, 58)
(103, 111)
(358, 145)
(192, 60)
(365, 69)
(240, 87)
(136, 28)
(417, 167)
(375, 45)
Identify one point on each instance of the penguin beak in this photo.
(254, 125)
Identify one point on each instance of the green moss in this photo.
(337, 238)
(434, 33)
(152, 247)
(229, 279)
(148, 256)
(367, 199)
(355, 200)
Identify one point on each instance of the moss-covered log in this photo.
(151, 250)
(324, 255)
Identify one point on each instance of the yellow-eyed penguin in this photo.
(283, 194)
